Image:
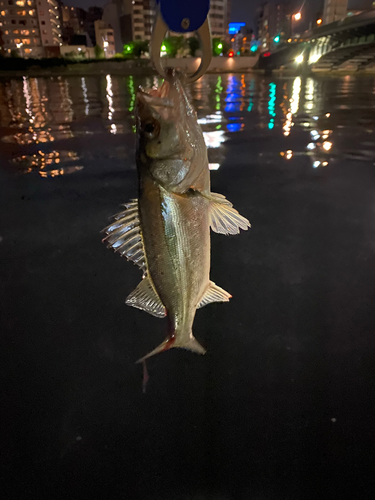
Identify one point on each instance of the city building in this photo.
(274, 23)
(92, 15)
(76, 21)
(241, 38)
(31, 27)
(105, 38)
(130, 19)
(334, 10)
(2, 52)
(219, 16)
(110, 16)
(72, 22)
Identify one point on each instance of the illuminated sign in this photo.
(234, 28)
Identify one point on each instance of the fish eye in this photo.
(151, 129)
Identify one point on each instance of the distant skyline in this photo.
(245, 10)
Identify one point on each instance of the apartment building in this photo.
(219, 16)
(30, 27)
(105, 38)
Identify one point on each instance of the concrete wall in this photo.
(219, 64)
(77, 50)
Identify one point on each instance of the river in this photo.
(282, 404)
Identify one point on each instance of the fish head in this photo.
(171, 146)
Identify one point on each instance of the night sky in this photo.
(245, 10)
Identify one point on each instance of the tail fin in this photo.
(191, 344)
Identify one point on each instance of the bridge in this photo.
(345, 45)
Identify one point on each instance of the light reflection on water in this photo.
(41, 111)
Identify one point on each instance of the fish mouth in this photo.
(156, 96)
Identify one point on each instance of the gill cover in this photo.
(170, 141)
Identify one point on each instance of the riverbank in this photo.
(127, 67)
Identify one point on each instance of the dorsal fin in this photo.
(145, 297)
(125, 237)
(214, 294)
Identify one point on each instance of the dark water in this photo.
(282, 406)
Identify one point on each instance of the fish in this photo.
(166, 230)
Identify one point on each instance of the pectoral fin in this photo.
(214, 294)
(225, 219)
(145, 297)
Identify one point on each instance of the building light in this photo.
(319, 21)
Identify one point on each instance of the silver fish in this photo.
(166, 231)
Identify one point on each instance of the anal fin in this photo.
(145, 297)
(214, 294)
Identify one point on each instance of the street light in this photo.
(319, 21)
(297, 16)
(299, 59)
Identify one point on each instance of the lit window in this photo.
(17, 40)
(3, 12)
(16, 32)
(20, 3)
(7, 32)
(21, 12)
(32, 12)
(26, 41)
(25, 32)
(27, 51)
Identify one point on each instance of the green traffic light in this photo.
(276, 39)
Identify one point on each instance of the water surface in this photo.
(283, 402)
